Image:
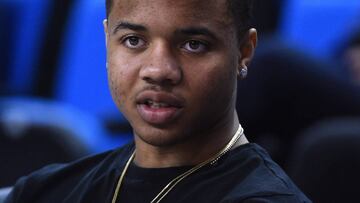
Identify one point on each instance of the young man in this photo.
(173, 68)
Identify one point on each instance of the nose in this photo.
(161, 67)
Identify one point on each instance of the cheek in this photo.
(122, 78)
(222, 86)
(211, 94)
(216, 83)
(115, 83)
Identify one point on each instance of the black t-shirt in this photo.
(245, 174)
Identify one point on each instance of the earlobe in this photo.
(247, 50)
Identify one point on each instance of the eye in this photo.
(133, 42)
(195, 46)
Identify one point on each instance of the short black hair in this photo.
(240, 11)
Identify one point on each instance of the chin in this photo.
(160, 137)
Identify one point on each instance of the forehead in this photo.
(200, 10)
(197, 4)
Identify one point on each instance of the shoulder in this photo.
(263, 181)
(60, 179)
(275, 198)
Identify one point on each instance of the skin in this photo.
(167, 54)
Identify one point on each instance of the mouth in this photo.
(159, 108)
(157, 105)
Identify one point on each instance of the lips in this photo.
(156, 105)
(158, 108)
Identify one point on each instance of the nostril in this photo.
(169, 82)
(149, 80)
(165, 82)
(161, 75)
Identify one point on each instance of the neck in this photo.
(189, 152)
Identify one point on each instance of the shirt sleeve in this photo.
(275, 199)
(28, 186)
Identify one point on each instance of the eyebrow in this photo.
(184, 31)
(130, 26)
(196, 31)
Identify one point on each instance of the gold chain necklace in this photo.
(175, 181)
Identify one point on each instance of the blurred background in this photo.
(301, 100)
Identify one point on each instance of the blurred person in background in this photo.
(288, 89)
(351, 56)
(173, 70)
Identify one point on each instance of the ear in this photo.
(106, 31)
(247, 50)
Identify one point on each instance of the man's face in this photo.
(172, 66)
